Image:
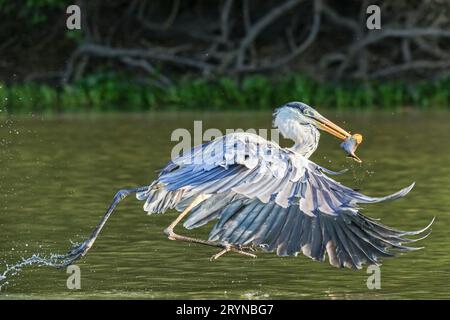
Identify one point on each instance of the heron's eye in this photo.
(308, 113)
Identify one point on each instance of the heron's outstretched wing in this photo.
(349, 239)
(253, 167)
(315, 224)
(263, 195)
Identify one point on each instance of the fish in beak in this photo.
(350, 143)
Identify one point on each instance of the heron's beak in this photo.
(328, 126)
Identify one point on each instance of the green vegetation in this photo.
(116, 93)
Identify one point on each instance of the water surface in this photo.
(58, 176)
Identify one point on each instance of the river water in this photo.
(59, 174)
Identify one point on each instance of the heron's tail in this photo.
(357, 239)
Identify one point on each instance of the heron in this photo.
(267, 198)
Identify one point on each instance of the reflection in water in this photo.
(59, 175)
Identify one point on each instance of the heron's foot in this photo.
(238, 249)
(75, 253)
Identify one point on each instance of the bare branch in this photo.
(224, 19)
(434, 50)
(309, 40)
(338, 19)
(232, 37)
(402, 33)
(110, 52)
(145, 65)
(178, 31)
(297, 51)
(387, 33)
(406, 50)
(261, 24)
(173, 15)
(410, 66)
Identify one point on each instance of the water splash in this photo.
(54, 260)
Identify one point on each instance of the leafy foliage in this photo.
(112, 93)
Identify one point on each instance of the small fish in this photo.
(351, 144)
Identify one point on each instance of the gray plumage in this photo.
(265, 196)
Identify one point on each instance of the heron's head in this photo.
(307, 116)
(300, 122)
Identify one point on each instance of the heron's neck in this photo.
(305, 137)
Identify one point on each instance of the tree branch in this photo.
(261, 24)
(410, 66)
(109, 52)
(297, 51)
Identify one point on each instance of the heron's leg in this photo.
(81, 250)
(173, 236)
(199, 199)
(229, 248)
